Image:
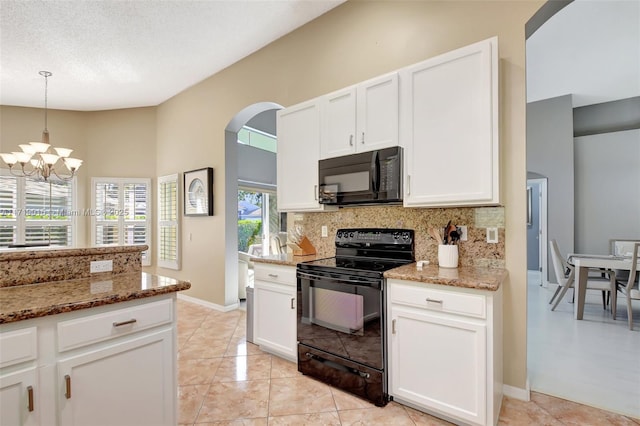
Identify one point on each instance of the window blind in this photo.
(121, 212)
(168, 205)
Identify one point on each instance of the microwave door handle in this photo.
(375, 172)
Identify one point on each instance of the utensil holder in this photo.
(306, 248)
(448, 256)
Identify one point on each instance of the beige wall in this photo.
(353, 42)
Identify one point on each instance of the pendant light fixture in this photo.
(39, 159)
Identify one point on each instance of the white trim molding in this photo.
(518, 393)
(206, 304)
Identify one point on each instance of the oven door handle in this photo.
(308, 276)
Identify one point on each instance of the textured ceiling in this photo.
(590, 49)
(111, 54)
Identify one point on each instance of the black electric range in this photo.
(341, 310)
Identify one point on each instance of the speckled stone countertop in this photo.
(479, 278)
(476, 277)
(23, 302)
(287, 259)
(49, 252)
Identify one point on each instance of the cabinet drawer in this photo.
(274, 273)
(96, 328)
(18, 346)
(439, 300)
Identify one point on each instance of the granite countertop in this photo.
(467, 276)
(23, 302)
(53, 252)
(287, 259)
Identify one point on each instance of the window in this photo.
(257, 139)
(121, 213)
(33, 211)
(168, 231)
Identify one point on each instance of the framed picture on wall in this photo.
(198, 192)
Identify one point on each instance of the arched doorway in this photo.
(231, 193)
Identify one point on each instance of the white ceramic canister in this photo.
(448, 256)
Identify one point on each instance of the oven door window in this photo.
(337, 310)
(346, 308)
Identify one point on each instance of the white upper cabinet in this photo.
(449, 122)
(298, 154)
(360, 118)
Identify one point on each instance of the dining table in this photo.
(582, 263)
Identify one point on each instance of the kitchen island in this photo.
(94, 348)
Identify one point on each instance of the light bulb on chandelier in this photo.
(36, 158)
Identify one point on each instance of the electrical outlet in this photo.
(492, 235)
(463, 233)
(325, 232)
(101, 266)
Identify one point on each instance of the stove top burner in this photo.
(359, 264)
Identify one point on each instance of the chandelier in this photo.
(37, 158)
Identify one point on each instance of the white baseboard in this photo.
(208, 304)
(517, 393)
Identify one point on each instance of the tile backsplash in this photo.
(473, 252)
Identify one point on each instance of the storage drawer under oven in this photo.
(368, 383)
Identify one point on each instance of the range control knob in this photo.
(405, 236)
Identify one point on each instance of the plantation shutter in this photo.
(168, 248)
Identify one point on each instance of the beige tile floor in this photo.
(223, 380)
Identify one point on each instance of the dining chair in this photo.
(631, 290)
(565, 282)
(620, 247)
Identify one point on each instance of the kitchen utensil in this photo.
(436, 235)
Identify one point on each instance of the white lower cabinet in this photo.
(444, 351)
(275, 307)
(134, 376)
(108, 365)
(19, 392)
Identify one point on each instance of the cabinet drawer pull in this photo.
(315, 192)
(393, 327)
(273, 275)
(408, 184)
(118, 324)
(67, 382)
(30, 395)
(362, 137)
(350, 140)
(434, 301)
(292, 300)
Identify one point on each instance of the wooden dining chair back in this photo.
(607, 285)
(631, 290)
(620, 247)
(565, 282)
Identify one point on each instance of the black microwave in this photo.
(373, 177)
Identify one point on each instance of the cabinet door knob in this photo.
(292, 300)
(67, 382)
(350, 140)
(30, 395)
